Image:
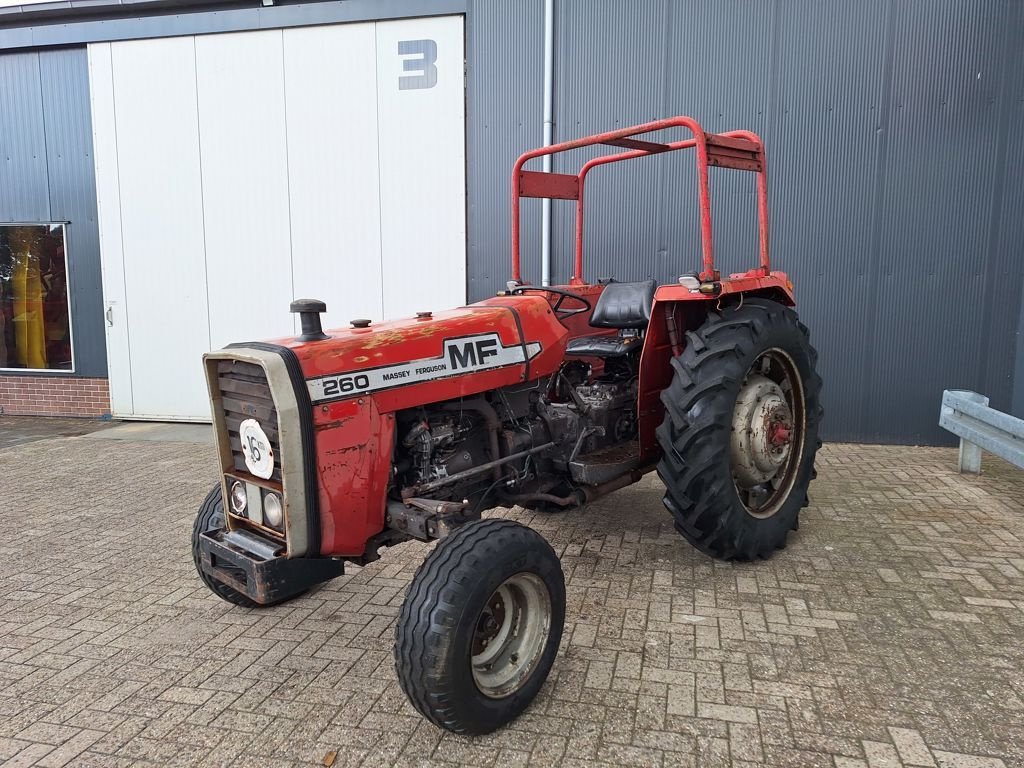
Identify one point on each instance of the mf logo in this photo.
(470, 354)
(465, 354)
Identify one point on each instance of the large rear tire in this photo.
(480, 626)
(741, 430)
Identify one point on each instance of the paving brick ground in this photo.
(18, 430)
(889, 633)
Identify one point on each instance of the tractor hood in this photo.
(511, 338)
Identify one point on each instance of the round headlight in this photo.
(239, 498)
(272, 511)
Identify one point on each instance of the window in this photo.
(35, 324)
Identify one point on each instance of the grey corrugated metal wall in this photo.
(1017, 405)
(894, 134)
(505, 53)
(47, 175)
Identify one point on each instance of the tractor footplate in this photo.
(248, 565)
(605, 464)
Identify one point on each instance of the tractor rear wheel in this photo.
(741, 430)
(480, 626)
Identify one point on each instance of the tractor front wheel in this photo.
(741, 430)
(480, 626)
(210, 517)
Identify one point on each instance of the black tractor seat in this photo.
(626, 306)
(604, 346)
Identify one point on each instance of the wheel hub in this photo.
(490, 623)
(510, 635)
(762, 432)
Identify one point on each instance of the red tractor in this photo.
(334, 445)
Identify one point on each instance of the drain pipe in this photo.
(549, 98)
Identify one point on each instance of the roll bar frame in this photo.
(739, 150)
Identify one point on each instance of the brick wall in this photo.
(53, 396)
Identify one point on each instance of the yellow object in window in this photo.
(29, 327)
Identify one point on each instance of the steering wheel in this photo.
(562, 294)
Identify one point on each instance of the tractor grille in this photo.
(245, 394)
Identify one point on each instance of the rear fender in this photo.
(676, 310)
(776, 286)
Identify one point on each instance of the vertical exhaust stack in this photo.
(309, 311)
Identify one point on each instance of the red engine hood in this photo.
(458, 352)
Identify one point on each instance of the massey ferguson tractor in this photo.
(334, 445)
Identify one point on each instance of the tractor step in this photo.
(605, 464)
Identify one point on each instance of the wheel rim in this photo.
(768, 428)
(511, 633)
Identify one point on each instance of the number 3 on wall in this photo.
(423, 66)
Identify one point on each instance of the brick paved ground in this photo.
(890, 632)
(18, 430)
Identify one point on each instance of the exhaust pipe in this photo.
(586, 493)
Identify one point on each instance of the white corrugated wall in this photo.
(238, 171)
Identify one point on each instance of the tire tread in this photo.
(430, 611)
(698, 410)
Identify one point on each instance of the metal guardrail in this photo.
(966, 414)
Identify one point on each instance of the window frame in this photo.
(71, 320)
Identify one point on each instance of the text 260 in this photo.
(345, 384)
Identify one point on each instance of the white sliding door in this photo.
(151, 222)
(331, 76)
(236, 172)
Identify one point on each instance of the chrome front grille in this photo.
(245, 394)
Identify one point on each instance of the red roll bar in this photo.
(740, 150)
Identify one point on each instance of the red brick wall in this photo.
(53, 396)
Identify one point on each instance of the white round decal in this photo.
(259, 457)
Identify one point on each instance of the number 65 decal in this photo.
(423, 65)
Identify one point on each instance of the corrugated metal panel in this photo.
(72, 193)
(937, 195)
(66, 23)
(505, 52)
(719, 72)
(825, 153)
(23, 193)
(1005, 278)
(893, 139)
(609, 73)
(1017, 403)
(46, 174)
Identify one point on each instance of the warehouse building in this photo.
(175, 173)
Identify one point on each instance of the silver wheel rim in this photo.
(510, 635)
(767, 439)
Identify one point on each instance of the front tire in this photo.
(210, 518)
(741, 430)
(480, 626)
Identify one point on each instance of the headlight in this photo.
(272, 511)
(239, 499)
